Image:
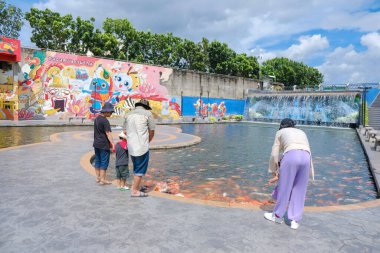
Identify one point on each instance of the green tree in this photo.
(50, 29)
(82, 36)
(125, 35)
(292, 73)
(192, 56)
(221, 58)
(11, 20)
(245, 66)
(105, 45)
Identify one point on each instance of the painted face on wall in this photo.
(58, 97)
(100, 86)
(123, 83)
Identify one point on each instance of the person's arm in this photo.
(151, 135)
(110, 139)
(274, 157)
(151, 127)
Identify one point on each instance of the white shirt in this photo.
(286, 139)
(137, 124)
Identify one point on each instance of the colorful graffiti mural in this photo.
(10, 49)
(216, 107)
(55, 84)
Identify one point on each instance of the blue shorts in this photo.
(102, 158)
(140, 164)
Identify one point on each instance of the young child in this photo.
(122, 157)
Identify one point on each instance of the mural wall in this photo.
(57, 85)
(216, 107)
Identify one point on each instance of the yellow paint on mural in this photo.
(51, 111)
(69, 72)
(157, 109)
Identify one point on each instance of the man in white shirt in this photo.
(139, 126)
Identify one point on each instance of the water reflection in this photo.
(15, 136)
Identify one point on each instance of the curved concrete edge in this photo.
(86, 165)
(193, 142)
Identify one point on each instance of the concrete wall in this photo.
(191, 83)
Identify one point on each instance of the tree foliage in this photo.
(292, 73)
(50, 29)
(11, 20)
(118, 39)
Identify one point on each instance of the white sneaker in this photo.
(294, 224)
(272, 217)
(125, 187)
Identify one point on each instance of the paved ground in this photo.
(48, 203)
(373, 157)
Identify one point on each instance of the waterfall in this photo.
(330, 109)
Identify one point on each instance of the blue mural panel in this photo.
(217, 107)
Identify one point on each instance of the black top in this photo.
(101, 126)
(121, 155)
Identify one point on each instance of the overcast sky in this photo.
(339, 37)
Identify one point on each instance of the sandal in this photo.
(141, 194)
(98, 180)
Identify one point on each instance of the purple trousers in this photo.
(291, 189)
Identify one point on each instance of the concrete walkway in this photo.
(373, 157)
(49, 203)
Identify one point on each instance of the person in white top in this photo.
(293, 169)
(139, 125)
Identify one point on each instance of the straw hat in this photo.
(144, 103)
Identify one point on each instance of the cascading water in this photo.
(331, 109)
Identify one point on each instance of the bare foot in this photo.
(105, 182)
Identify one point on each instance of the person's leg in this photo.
(97, 173)
(123, 183)
(105, 158)
(136, 185)
(297, 199)
(140, 165)
(123, 175)
(288, 172)
(118, 177)
(97, 164)
(103, 176)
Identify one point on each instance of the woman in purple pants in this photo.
(293, 169)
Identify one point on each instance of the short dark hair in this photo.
(285, 123)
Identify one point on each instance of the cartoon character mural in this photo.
(58, 85)
(124, 82)
(101, 89)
